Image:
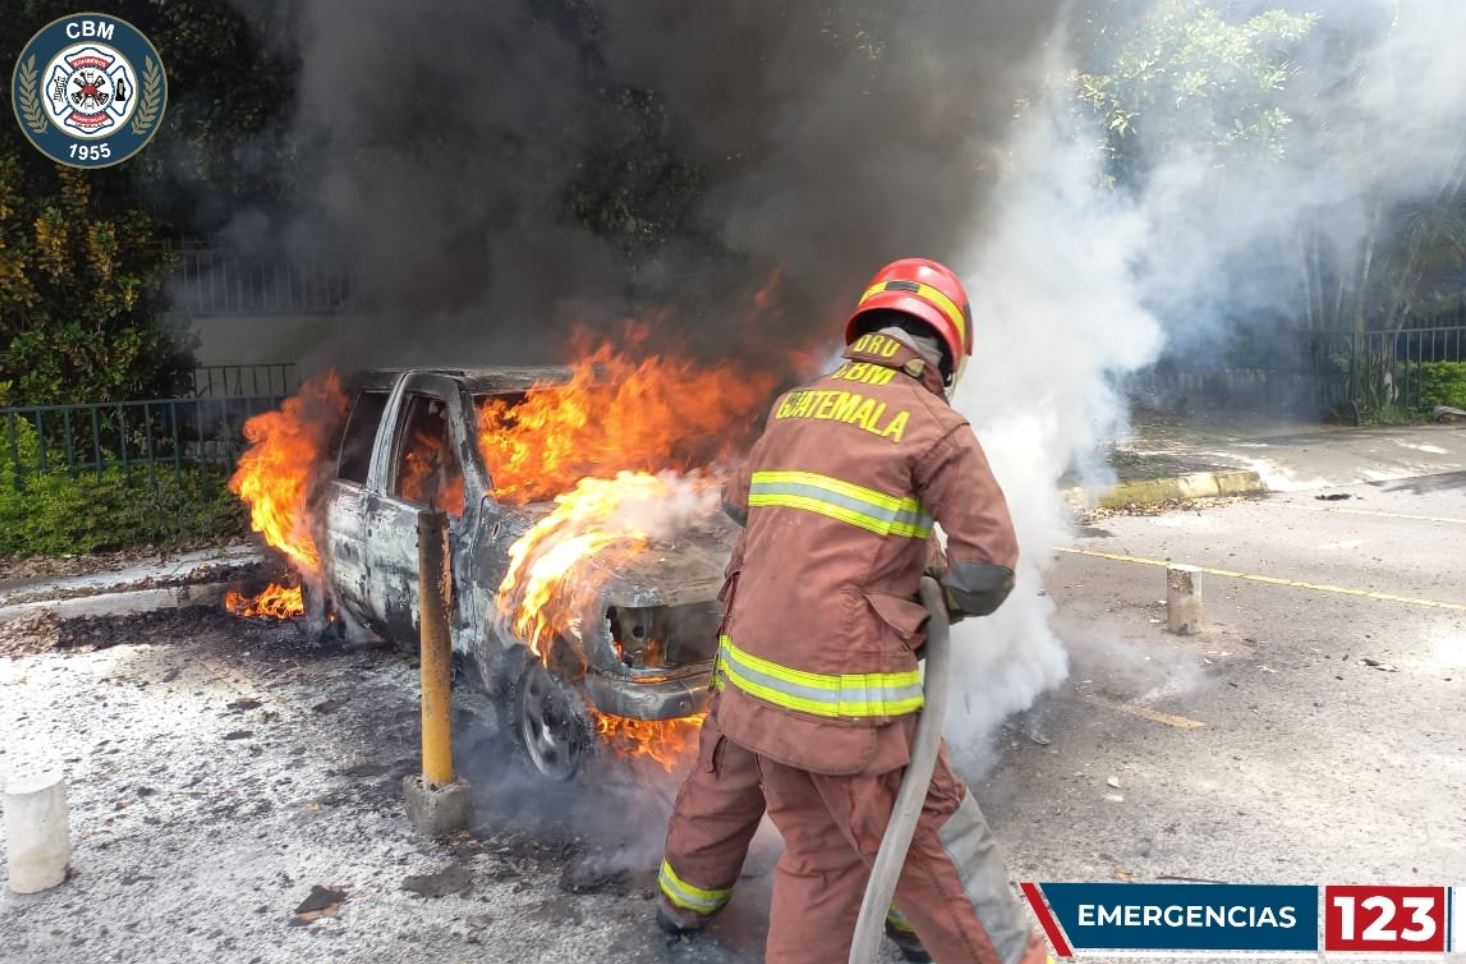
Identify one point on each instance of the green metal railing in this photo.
(168, 434)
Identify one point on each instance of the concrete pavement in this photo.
(1334, 740)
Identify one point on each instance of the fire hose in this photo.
(891, 857)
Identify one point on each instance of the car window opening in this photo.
(427, 470)
(359, 435)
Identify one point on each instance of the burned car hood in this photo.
(684, 568)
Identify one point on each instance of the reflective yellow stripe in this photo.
(841, 486)
(845, 501)
(688, 897)
(946, 305)
(849, 695)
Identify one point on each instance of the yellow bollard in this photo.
(437, 804)
(434, 602)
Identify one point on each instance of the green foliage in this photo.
(1183, 76)
(59, 513)
(1443, 383)
(79, 280)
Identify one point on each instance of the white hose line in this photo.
(870, 928)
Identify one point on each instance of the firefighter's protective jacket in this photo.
(817, 661)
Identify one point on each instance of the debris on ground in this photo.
(321, 902)
(24, 567)
(1333, 497)
(32, 633)
(1090, 516)
(595, 877)
(1448, 413)
(453, 879)
(1380, 665)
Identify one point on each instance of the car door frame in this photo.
(392, 520)
(347, 543)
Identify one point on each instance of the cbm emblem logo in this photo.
(89, 90)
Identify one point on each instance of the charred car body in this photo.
(645, 652)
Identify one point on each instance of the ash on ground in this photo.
(235, 794)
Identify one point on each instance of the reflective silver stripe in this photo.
(849, 695)
(689, 897)
(867, 508)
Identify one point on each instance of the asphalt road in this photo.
(218, 774)
(1311, 766)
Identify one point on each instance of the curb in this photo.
(123, 603)
(1195, 485)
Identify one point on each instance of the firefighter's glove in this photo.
(954, 608)
(975, 589)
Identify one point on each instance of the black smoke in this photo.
(497, 173)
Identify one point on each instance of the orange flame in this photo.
(274, 478)
(592, 444)
(276, 602)
(666, 742)
(429, 474)
(617, 414)
(557, 569)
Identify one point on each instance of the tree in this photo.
(1180, 74)
(80, 273)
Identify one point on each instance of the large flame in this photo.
(605, 446)
(557, 569)
(274, 478)
(617, 413)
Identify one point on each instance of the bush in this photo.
(1443, 383)
(56, 513)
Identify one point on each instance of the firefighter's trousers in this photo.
(717, 812)
(953, 889)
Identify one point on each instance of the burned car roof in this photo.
(486, 379)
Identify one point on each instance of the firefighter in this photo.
(817, 667)
(717, 812)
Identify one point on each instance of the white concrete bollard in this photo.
(37, 831)
(1183, 599)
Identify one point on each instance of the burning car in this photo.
(587, 548)
(639, 649)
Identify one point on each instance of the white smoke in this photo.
(1056, 312)
(1070, 279)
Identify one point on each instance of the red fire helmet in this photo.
(927, 290)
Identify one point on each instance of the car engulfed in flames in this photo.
(587, 544)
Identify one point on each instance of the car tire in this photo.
(541, 717)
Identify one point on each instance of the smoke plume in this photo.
(1076, 282)
(498, 173)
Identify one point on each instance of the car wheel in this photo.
(543, 717)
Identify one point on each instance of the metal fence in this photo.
(167, 434)
(215, 281)
(235, 381)
(1391, 368)
(1308, 374)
